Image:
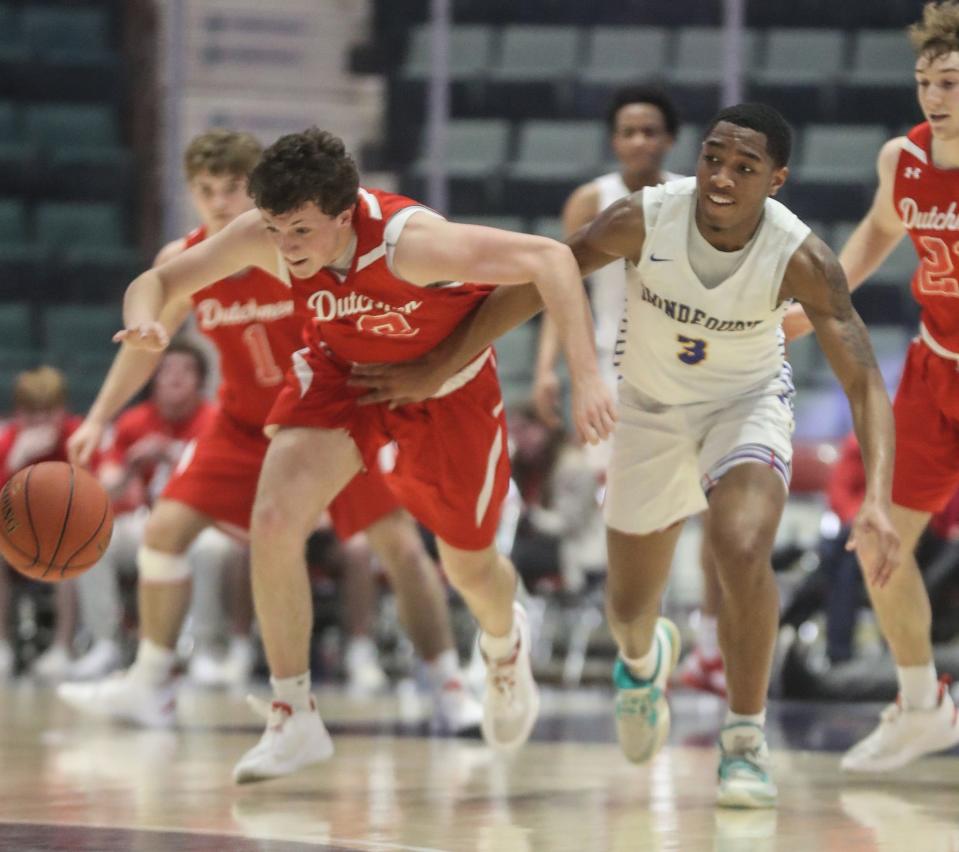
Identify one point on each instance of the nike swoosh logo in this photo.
(655, 259)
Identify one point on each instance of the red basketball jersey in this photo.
(256, 326)
(926, 201)
(370, 315)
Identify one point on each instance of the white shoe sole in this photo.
(742, 798)
(896, 760)
(251, 775)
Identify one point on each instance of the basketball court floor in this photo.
(67, 784)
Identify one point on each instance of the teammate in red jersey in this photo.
(38, 432)
(918, 187)
(383, 276)
(250, 315)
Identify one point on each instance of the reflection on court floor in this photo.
(74, 785)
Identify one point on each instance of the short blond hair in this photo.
(222, 152)
(41, 389)
(938, 32)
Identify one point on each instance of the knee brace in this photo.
(155, 566)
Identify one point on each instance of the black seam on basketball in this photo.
(26, 503)
(6, 538)
(96, 532)
(63, 526)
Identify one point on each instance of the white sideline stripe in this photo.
(486, 492)
(915, 150)
(376, 211)
(371, 256)
(302, 371)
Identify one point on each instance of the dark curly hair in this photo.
(762, 119)
(302, 167)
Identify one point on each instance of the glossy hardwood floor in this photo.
(76, 785)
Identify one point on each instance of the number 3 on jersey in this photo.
(693, 351)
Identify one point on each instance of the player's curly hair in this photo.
(221, 152)
(938, 32)
(763, 119)
(302, 167)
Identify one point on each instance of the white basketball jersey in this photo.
(684, 343)
(608, 285)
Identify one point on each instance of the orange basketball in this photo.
(55, 521)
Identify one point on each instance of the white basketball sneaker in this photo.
(642, 712)
(904, 735)
(292, 740)
(744, 768)
(455, 709)
(124, 697)
(511, 698)
(103, 657)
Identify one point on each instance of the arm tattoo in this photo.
(855, 339)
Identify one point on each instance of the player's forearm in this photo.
(500, 312)
(865, 250)
(559, 283)
(144, 300)
(548, 345)
(873, 423)
(129, 373)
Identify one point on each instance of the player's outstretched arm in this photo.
(431, 249)
(870, 243)
(241, 244)
(128, 374)
(619, 228)
(816, 280)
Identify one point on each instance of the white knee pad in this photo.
(155, 566)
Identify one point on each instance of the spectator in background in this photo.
(147, 442)
(38, 432)
(561, 526)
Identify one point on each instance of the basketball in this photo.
(55, 521)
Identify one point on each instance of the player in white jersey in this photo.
(705, 418)
(643, 123)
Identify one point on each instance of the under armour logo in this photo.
(912, 172)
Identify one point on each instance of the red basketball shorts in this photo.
(926, 409)
(218, 473)
(452, 469)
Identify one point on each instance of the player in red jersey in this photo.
(383, 277)
(917, 192)
(251, 317)
(38, 432)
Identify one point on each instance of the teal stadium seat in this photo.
(21, 260)
(619, 56)
(62, 32)
(469, 52)
(684, 154)
(62, 125)
(80, 334)
(475, 148)
(880, 80)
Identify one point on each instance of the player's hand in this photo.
(594, 412)
(85, 441)
(875, 541)
(546, 398)
(399, 384)
(151, 336)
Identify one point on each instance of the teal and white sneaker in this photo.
(642, 713)
(744, 764)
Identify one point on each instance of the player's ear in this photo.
(778, 179)
(346, 216)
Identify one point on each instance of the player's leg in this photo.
(303, 471)
(648, 645)
(360, 597)
(925, 477)
(98, 591)
(53, 665)
(745, 463)
(924, 718)
(146, 693)
(486, 580)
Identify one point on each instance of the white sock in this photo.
(742, 733)
(154, 663)
(707, 636)
(918, 686)
(644, 667)
(442, 669)
(499, 647)
(758, 719)
(294, 691)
